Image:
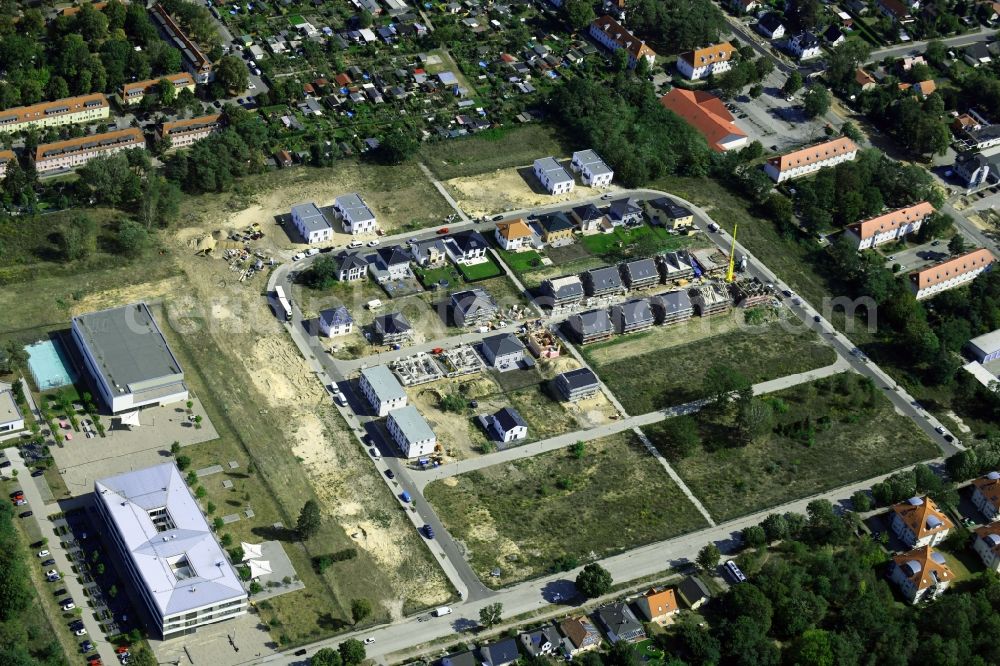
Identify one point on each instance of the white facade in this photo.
(171, 558)
(355, 214)
(702, 65)
(74, 153)
(512, 236)
(11, 419)
(410, 432)
(552, 176)
(382, 390)
(950, 274)
(592, 169)
(987, 546)
(128, 359)
(804, 46)
(335, 322)
(311, 223)
(779, 175)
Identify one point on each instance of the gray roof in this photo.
(505, 343)
(393, 323)
(556, 222)
(565, 287)
(553, 170)
(347, 260)
(604, 278)
(411, 424)
(641, 269)
(579, 378)
(771, 21)
(466, 658)
(422, 247)
(619, 619)
(987, 342)
(336, 316)
(183, 567)
(592, 161)
(692, 589)
(673, 209)
(588, 212)
(508, 419)
(354, 206)
(621, 208)
(593, 321)
(467, 241)
(383, 383)
(634, 311)
(392, 256)
(806, 40)
(128, 347)
(8, 408)
(501, 652)
(472, 300)
(674, 301)
(310, 216)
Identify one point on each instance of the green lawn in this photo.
(826, 434)
(521, 517)
(673, 375)
(521, 262)
(641, 241)
(434, 276)
(484, 271)
(493, 149)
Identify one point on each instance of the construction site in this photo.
(461, 360)
(420, 368)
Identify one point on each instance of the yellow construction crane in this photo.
(732, 256)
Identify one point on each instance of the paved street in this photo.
(64, 565)
(984, 34)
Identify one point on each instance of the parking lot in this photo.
(913, 258)
(778, 124)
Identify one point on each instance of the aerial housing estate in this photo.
(950, 273)
(182, 133)
(194, 60)
(170, 555)
(890, 226)
(552, 176)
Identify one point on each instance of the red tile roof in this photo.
(951, 268)
(926, 564)
(891, 220)
(709, 55)
(923, 518)
(621, 36)
(705, 112)
(817, 153)
(21, 114)
(132, 135)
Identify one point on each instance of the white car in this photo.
(80, 632)
(939, 430)
(373, 243)
(68, 606)
(369, 640)
(298, 255)
(43, 553)
(312, 252)
(251, 86)
(51, 573)
(355, 243)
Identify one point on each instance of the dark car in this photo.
(16, 494)
(949, 438)
(61, 591)
(816, 318)
(300, 653)
(428, 531)
(48, 563)
(5, 463)
(38, 472)
(390, 474)
(87, 646)
(27, 514)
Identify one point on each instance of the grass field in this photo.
(838, 445)
(521, 262)
(490, 150)
(483, 271)
(522, 516)
(673, 375)
(634, 243)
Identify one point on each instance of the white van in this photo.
(355, 243)
(443, 610)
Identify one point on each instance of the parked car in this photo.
(443, 230)
(27, 514)
(298, 255)
(80, 632)
(312, 252)
(68, 605)
(369, 640)
(38, 472)
(43, 553)
(87, 646)
(51, 572)
(373, 242)
(390, 474)
(48, 563)
(355, 243)
(428, 531)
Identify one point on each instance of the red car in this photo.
(443, 230)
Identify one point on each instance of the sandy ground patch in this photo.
(507, 189)
(280, 373)
(458, 433)
(146, 291)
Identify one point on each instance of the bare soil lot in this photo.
(508, 189)
(524, 516)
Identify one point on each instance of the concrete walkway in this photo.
(655, 452)
(63, 564)
(444, 193)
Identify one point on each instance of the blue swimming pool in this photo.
(49, 365)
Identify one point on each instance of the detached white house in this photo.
(335, 321)
(552, 176)
(592, 169)
(355, 214)
(918, 522)
(804, 46)
(986, 495)
(987, 545)
(921, 574)
(513, 235)
(311, 223)
(507, 425)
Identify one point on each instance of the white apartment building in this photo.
(73, 153)
(592, 169)
(382, 390)
(552, 176)
(699, 63)
(355, 214)
(311, 223)
(950, 274)
(890, 226)
(183, 133)
(408, 429)
(810, 160)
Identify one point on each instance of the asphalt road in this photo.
(982, 35)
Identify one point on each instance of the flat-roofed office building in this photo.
(175, 565)
(128, 359)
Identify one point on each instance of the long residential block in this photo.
(133, 93)
(886, 228)
(194, 60)
(612, 35)
(810, 160)
(68, 111)
(74, 153)
(183, 133)
(950, 274)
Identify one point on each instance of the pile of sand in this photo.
(280, 373)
